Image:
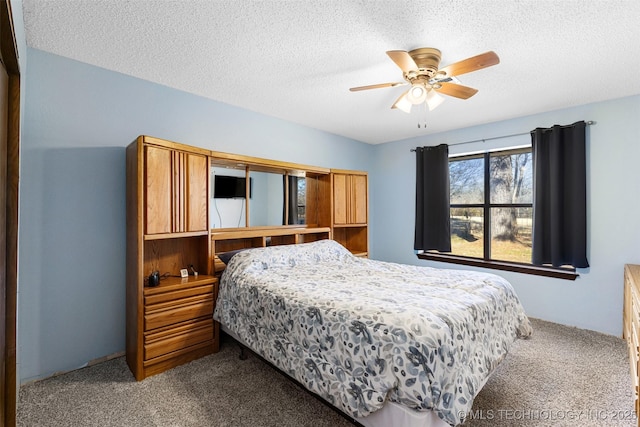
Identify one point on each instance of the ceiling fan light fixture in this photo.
(403, 103)
(417, 94)
(433, 99)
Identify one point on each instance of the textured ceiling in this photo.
(296, 60)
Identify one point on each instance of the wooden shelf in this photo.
(260, 237)
(171, 283)
(245, 233)
(175, 235)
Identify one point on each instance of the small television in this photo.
(230, 187)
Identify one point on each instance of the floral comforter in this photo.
(357, 331)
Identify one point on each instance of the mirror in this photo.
(266, 207)
(296, 206)
(267, 199)
(227, 207)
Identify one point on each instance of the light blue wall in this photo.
(594, 300)
(78, 120)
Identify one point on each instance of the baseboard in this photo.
(89, 363)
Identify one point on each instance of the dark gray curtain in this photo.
(560, 196)
(292, 201)
(433, 227)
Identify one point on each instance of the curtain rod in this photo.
(589, 123)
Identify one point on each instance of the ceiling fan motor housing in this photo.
(428, 60)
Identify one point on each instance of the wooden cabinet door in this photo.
(158, 188)
(358, 203)
(340, 199)
(197, 201)
(176, 191)
(349, 199)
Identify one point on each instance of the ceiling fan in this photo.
(420, 70)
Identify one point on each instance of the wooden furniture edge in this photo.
(349, 172)
(242, 233)
(257, 163)
(631, 327)
(152, 140)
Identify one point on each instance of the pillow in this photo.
(226, 256)
(288, 256)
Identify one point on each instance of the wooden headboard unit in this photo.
(336, 208)
(230, 239)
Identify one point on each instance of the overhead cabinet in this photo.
(176, 191)
(349, 198)
(350, 215)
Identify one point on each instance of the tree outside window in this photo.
(491, 205)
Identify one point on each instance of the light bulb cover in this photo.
(433, 99)
(417, 94)
(403, 103)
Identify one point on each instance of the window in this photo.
(491, 212)
(491, 205)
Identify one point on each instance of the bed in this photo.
(382, 342)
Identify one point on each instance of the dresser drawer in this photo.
(171, 312)
(158, 298)
(168, 340)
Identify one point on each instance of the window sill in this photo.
(558, 273)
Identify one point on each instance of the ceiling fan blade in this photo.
(468, 65)
(456, 90)
(379, 85)
(402, 60)
(402, 103)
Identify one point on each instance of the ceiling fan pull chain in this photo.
(425, 117)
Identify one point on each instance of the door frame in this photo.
(9, 51)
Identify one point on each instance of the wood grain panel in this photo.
(324, 201)
(198, 193)
(177, 192)
(171, 360)
(340, 199)
(352, 238)
(4, 110)
(359, 199)
(150, 300)
(177, 338)
(171, 255)
(135, 182)
(192, 308)
(631, 325)
(11, 160)
(158, 190)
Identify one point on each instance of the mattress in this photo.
(361, 333)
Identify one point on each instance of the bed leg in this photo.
(243, 352)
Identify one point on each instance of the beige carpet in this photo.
(562, 376)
